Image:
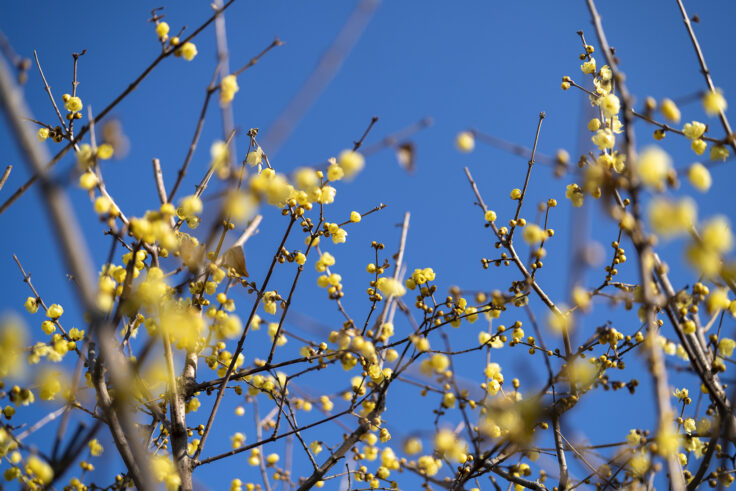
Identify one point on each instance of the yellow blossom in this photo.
(55, 311)
(714, 102)
(40, 469)
(604, 139)
(699, 146)
(534, 234)
(42, 134)
(162, 30)
(95, 448)
(228, 88)
(699, 177)
(653, 166)
(73, 104)
(390, 287)
(693, 130)
(726, 347)
(670, 111)
(190, 206)
(187, 51)
(254, 157)
(465, 142)
(351, 162)
(610, 105)
(670, 218)
(31, 305)
(589, 66)
(575, 194)
(719, 152)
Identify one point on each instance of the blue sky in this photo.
(469, 64)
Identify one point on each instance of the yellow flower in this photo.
(55, 311)
(604, 139)
(162, 30)
(716, 235)
(228, 88)
(42, 134)
(726, 347)
(719, 152)
(693, 130)
(102, 205)
(40, 469)
(588, 66)
(305, 178)
(699, 177)
(465, 142)
(105, 151)
(575, 194)
(390, 287)
(534, 234)
(669, 218)
(190, 206)
(85, 156)
(335, 172)
(670, 111)
(240, 206)
(31, 305)
(254, 157)
(73, 104)
(490, 216)
(653, 166)
(699, 146)
(355, 217)
(610, 105)
(351, 162)
(187, 51)
(714, 102)
(95, 448)
(594, 124)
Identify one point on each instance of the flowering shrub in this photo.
(169, 343)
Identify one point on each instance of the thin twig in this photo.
(5, 176)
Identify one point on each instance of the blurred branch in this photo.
(321, 76)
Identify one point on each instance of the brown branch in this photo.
(5, 176)
(158, 177)
(706, 72)
(48, 91)
(359, 143)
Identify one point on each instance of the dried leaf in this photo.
(406, 156)
(235, 258)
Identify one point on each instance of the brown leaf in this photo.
(235, 258)
(406, 156)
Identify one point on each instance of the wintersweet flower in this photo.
(653, 165)
(589, 66)
(604, 139)
(610, 105)
(465, 142)
(670, 111)
(699, 177)
(187, 51)
(714, 102)
(693, 130)
(351, 162)
(162, 30)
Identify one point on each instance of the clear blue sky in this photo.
(488, 65)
